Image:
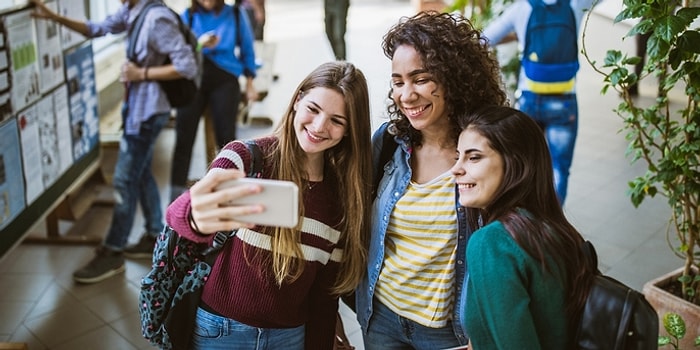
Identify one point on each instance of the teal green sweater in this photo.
(511, 302)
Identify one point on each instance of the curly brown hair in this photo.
(457, 56)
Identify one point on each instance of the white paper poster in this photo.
(31, 152)
(74, 9)
(82, 100)
(50, 158)
(11, 183)
(50, 52)
(23, 58)
(63, 128)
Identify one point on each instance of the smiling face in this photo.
(320, 121)
(478, 171)
(208, 5)
(420, 98)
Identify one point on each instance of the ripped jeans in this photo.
(557, 116)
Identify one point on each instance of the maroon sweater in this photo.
(241, 285)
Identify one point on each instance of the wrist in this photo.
(145, 74)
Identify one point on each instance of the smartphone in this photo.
(280, 199)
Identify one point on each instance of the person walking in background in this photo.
(412, 294)
(256, 14)
(336, 21)
(145, 111)
(556, 113)
(278, 288)
(221, 29)
(527, 271)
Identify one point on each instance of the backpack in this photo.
(615, 316)
(180, 92)
(550, 57)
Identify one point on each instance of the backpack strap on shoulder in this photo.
(256, 161)
(135, 29)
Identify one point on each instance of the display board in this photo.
(49, 127)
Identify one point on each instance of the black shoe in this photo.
(141, 250)
(105, 264)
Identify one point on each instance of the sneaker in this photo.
(141, 250)
(105, 264)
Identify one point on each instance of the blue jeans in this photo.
(218, 332)
(557, 115)
(134, 183)
(389, 331)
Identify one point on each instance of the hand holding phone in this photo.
(279, 198)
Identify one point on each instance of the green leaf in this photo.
(664, 340)
(674, 325)
(689, 41)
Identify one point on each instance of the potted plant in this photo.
(664, 133)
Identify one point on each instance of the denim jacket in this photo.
(395, 180)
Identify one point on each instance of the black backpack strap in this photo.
(256, 161)
(135, 29)
(237, 15)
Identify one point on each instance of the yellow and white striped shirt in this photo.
(417, 279)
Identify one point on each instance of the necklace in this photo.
(311, 184)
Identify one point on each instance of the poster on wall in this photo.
(82, 100)
(28, 122)
(5, 100)
(74, 9)
(24, 67)
(50, 52)
(63, 128)
(48, 141)
(11, 183)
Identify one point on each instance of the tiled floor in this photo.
(40, 304)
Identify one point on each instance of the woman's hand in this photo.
(41, 11)
(208, 40)
(132, 72)
(211, 208)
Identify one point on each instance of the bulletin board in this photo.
(49, 126)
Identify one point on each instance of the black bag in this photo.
(180, 92)
(171, 291)
(615, 316)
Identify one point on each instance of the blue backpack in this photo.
(550, 58)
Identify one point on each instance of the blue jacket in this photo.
(395, 180)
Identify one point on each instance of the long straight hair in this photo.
(350, 163)
(526, 201)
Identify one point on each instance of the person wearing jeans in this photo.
(145, 110)
(556, 113)
(133, 172)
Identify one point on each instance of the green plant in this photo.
(664, 134)
(675, 327)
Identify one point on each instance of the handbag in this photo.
(171, 291)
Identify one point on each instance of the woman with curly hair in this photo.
(413, 294)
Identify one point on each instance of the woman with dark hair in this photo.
(226, 41)
(413, 293)
(527, 272)
(274, 287)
